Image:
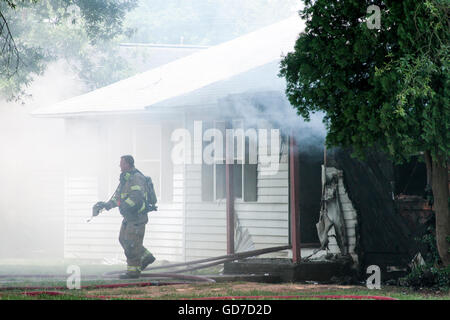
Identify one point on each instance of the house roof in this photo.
(198, 72)
(145, 56)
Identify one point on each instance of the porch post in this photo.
(229, 190)
(294, 199)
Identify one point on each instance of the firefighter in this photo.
(130, 199)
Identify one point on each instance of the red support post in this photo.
(230, 209)
(229, 192)
(294, 199)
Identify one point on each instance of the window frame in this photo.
(241, 162)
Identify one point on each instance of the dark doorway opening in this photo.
(310, 193)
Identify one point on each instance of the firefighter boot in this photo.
(147, 259)
(132, 273)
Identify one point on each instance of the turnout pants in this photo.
(131, 238)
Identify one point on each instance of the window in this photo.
(244, 173)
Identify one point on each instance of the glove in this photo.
(100, 204)
(97, 207)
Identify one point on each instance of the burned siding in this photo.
(340, 210)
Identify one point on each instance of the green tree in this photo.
(86, 33)
(35, 33)
(385, 87)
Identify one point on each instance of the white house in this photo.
(231, 85)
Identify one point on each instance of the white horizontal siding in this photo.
(204, 237)
(107, 242)
(193, 254)
(209, 245)
(263, 217)
(270, 183)
(257, 223)
(178, 198)
(273, 175)
(102, 250)
(266, 219)
(164, 236)
(193, 184)
(281, 167)
(78, 208)
(273, 191)
(205, 222)
(206, 207)
(216, 233)
(257, 207)
(273, 199)
(266, 241)
(178, 192)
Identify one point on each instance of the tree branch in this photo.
(9, 54)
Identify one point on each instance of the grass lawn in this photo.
(230, 289)
(16, 278)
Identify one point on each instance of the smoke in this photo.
(274, 108)
(32, 161)
(31, 168)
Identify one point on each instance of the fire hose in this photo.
(174, 274)
(216, 260)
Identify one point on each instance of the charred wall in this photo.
(383, 237)
(310, 193)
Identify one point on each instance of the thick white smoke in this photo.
(32, 169)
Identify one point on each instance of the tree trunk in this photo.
(429, 165)
(439, 181)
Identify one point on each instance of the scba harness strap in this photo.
(124, 178)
